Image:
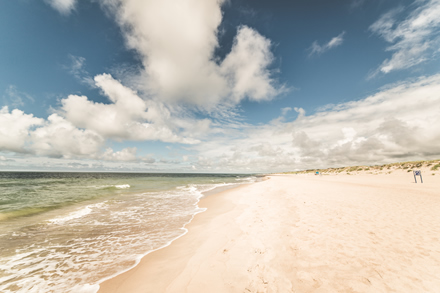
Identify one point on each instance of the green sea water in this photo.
(66, 232)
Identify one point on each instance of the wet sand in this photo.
(304, 233)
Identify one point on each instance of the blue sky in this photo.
(217, 86)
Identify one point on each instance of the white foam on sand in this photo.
(80, 264)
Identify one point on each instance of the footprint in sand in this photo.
(308, 279)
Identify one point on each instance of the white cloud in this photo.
(399, 122)
(77, 64)
(285, 110)
(316, 49)
(246, 67)
(62, 6)
(177, 40)
(413, 40)
(14, 129)
(125, 155)
(60, 138)
(396, 124)
(76, 68)
(81, 127)
(126, 117)
(56, 137)
(15, 98)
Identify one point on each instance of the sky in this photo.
(234, 86)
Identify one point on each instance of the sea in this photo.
(67, 232)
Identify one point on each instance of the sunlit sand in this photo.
(305, 233)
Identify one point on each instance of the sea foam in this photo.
(82, 246)
(76, 214)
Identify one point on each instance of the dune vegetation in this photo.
(432, 165)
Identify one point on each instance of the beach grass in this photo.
(375, 169)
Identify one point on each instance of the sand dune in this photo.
(304, 233)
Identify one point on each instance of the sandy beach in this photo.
(304, 233)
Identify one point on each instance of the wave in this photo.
(249, 179)
(195, 189)
(110, 187)
(76, 214)
(130, 227)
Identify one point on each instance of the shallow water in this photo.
(65, 232)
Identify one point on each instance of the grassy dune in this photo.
(432, 167)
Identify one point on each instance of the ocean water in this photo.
(67, 232)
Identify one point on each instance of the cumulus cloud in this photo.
(397, 123)
(413, 40)
(180, 76)
(177, 40)
(127, 116)
(56, 137)
(60, 138)
(246, 67)
(400, 122)
(316, 49)
(64, 7)
(15, 128)
(80, 128)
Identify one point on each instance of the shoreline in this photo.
(108, 230)
(206, 204)
(202, 208)
(302, 233)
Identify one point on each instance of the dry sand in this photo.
(304, 233)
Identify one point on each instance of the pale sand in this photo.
(304, 233)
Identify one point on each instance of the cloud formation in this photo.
(15, 98)
(14, 129)
(396, 124)
(64, 7)
(54, 137)
(80, 128)
(181, 75)
(59, 138)
(126, 117)
(125, 155)
(76, 68)
(177, 40)
(245, 68)
(413, 40)
(316, 49)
